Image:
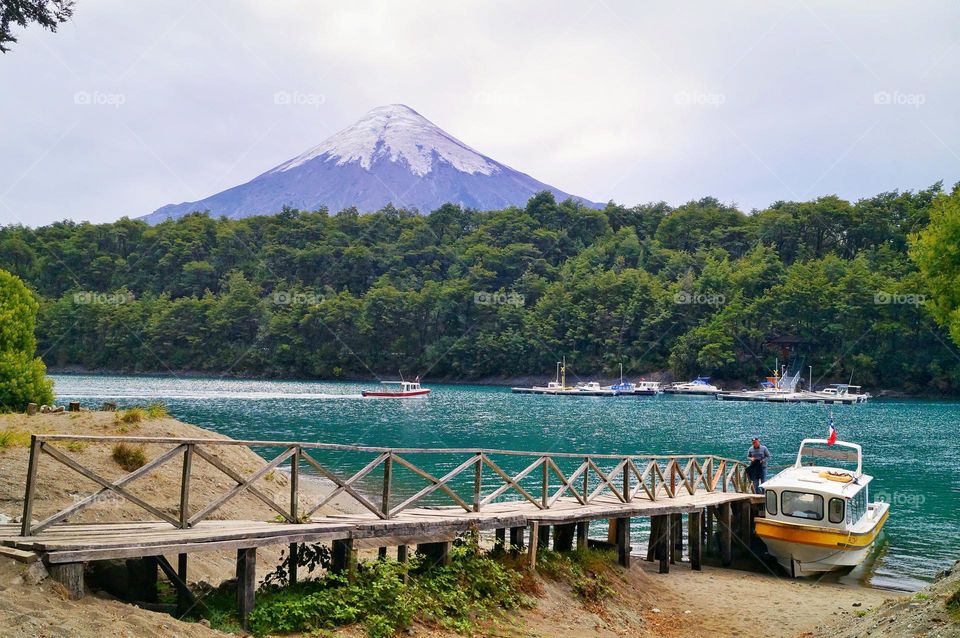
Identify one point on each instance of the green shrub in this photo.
(129, 457)
(131, 416)
(22, 376)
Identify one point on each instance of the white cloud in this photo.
(750, 102)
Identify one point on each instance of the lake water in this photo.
(910, 446)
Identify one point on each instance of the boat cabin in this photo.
(810, 493)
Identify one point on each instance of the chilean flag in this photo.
(833, 433)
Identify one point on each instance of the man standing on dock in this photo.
(757, 472)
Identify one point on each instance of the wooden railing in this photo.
(630, 477)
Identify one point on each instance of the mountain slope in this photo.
(392, 155)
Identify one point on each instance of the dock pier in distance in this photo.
(523, 498)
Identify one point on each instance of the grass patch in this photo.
(77, 446)
(14, 438)
(157, 411)
(921, 596)
(129, 457)
(131, 416)
(385, 597)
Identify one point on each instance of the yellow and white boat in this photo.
(819, 518)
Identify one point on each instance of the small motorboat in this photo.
(397, 390)
(818, 517)
(699, 386)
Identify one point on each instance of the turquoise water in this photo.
(910, 446)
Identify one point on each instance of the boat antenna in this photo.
(401, 374)
(621, 374)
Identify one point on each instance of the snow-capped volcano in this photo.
(392, 155)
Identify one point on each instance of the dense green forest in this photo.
(458, 294)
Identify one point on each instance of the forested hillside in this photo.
(458, 294)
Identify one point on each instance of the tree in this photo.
(47, 13)
(22, 376)
(936, 250)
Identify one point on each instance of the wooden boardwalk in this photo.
(528, 503)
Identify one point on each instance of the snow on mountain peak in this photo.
(396, 132)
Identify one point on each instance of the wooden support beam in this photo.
(695, 536)
(711, 514)
(70, 575)
(654, 536)
(612, 531)
(725, 521)
(516, 540)
(402, 553)
(184, 600)
(623, 542)
(663, 543)
(746, 525)
(583, 534)
(382, 553)
(435, 553)
(246, 584)
(543, 537)
(677, 525)
(563, 537)
(534, 544)
(500, 540)
(343, 557)
(293, 562)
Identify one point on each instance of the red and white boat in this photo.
(403, 390)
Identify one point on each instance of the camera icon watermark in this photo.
(699, 298)
(106, 500)
(882, 298)
(499, 299)
(298, 98)
(898, 98)
(288, 298)
(699, 98)
(102, 298)
(96, 98)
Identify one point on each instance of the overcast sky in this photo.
(133, 105)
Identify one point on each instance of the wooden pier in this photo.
(564, 492)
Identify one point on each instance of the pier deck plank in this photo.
(74, 542)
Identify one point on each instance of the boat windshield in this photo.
(801, 505)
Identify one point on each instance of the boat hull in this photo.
(394, 395)
(804, 550)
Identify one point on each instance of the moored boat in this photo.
(818, 517)
(403, 390)
(699, 386)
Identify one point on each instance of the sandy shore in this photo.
(714, 602)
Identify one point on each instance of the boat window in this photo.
(771, 502)
(802, 505)
(836, 510)
(857, 507)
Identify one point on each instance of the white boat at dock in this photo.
(819, 518)
(700, 386)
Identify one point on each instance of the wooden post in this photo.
(677, 526)
(725, 521)
(435, 553)
(654, 536)
(516, 540)
(583, 533)
(26, 522)
(542, 536)
(402, 553)
(382, 553)
(663, 543)
(185, 487)
(500, 540)
(746, 525)
(293, 562)
(387, 479)
(709, 530)
(74, 406)
(695, 536)
(545, 497)
(183, 601)
(623, 542)
(70, 575)
(478, 482)
(612, 531)
(32, 409)
(246, 583)
(534, 544)
(627, 495)
(563, 537)
(343, 557)
(295, 485)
